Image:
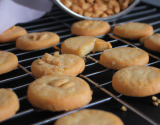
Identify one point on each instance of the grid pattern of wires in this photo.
(141, 110)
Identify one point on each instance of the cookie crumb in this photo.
(124, 108)
(158, 100)
(40, 62)
(154, 98)
(155, 103)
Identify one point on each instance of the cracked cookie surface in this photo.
(67, 64)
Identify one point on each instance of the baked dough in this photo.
(82, 45)
(34, 41)
(90, 117)
(118, 58)
(9, 103)
(153, 42)
(59, 93)
(12, 34)
(137, 81)
(90, 28)
(67, 64)
(133, 31)
(8, 62)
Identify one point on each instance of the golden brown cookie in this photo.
(67, 64)
(133, 31)
(118, 58)
(9, 103)
(90, 28)
(59, 93)
(137, 81)
(34, 41)
(82, 45)
(90, 117)
(153, 42)
(8, 62)
(12, 34)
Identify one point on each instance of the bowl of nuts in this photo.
(97, 9)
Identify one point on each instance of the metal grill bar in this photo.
(19, 87)
(13, 78)
(124, 103)
(67, 113)
(139, 13)
(64, 22)
(139, 8)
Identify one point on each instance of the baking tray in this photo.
(139, 110)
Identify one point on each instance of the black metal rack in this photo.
(140, 110)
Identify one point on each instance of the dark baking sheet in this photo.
(140, 110)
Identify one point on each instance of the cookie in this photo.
(34, 41)
(133, 31)
(12, 34)
(9, 104)
(90, 117)
(82, 45)
(8, 62)
(118, 58)
(59, 93)
(90, 28)
(67, 64)
(153, 42)
(137, 81)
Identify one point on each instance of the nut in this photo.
(58, 83)
(62, 83)
(43, 36)
(155, 103)
(124, 108)
(56, 62)
(39, 37)
(77, 9)
(56, 54)
(35, 37)
(154, 98)
(96, 8)
(67, 85)
(40, 62)
(67, 3)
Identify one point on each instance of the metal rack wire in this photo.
(98, 77)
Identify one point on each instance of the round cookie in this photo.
(59, 93)
(118, 58)
(67, 64)
(90, 28)
(34, 41)
(90, 117)
(12, 34)
(9, 103)
(153, 42)
(133, 31)
(8, 62)
(137, 81)
(82, 45)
